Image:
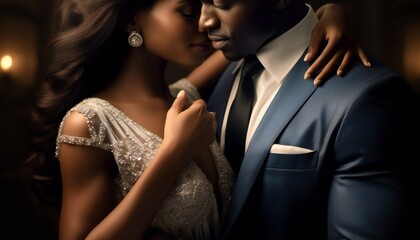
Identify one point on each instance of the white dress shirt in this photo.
(278, 57)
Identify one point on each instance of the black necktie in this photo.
(240, 112)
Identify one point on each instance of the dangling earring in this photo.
(135, 39)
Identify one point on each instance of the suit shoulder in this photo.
(360, 78)
(361, 82)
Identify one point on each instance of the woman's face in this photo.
(170, 31)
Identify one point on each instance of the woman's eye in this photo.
(188, 13)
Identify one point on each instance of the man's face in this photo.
(237, 27)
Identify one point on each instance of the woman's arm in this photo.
(333, 29)
(88, 211)
(205, 76)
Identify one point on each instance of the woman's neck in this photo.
(142, 77)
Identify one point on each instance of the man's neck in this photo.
(289, 18)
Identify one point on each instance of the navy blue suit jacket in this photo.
(363, 130)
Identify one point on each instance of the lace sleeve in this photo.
(95, 127)
(190, 89)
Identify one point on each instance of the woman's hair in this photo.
(84, 58)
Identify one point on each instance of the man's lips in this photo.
(218, 42)
(217, 38)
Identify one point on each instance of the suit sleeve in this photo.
(376, 149)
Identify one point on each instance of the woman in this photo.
(132, 156)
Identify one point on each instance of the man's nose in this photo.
(207, 20)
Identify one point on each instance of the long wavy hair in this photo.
(84, 57)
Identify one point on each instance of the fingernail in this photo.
(368, 64)
(181, 93)
(307, 76)
(306, 57)
(340, 72)
(317, 81)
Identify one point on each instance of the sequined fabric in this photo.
(190, 209)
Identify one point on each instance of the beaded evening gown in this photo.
(191, 208)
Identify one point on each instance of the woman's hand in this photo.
(334, 28)
(192, 129)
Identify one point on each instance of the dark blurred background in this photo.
(388, 30)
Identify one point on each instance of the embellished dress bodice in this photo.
(190, 209)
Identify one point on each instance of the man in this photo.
(327, 162)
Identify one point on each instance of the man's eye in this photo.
(221, 5)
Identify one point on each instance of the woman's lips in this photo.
(203, 46)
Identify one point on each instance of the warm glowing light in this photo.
(6, 62)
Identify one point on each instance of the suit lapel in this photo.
(291, 96)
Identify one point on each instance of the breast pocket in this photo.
(303, 161)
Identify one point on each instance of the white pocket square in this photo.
(287, 149)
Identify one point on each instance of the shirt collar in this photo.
(280, 55)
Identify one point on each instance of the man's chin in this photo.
(232, 56)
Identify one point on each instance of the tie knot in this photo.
(251, 66)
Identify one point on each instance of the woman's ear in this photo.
(128, 21)
(282, 4)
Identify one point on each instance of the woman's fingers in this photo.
(317, 40)
(329, 69)
(345, 64)
(363, 57)
(328, 55)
